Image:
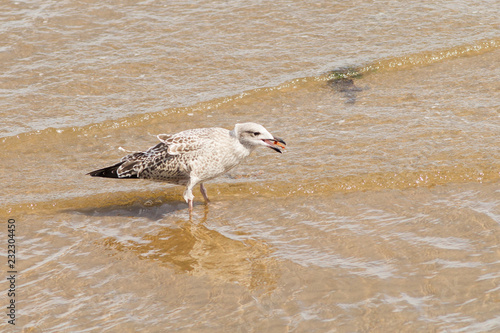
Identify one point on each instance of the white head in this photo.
(252, 135)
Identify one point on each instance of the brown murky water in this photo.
(382, 216)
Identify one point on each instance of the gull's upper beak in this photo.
(276, 144)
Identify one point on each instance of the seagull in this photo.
(193, 156)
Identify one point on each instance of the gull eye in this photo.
(256, 133)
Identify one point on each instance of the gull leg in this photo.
(204, 193)
(188, 193)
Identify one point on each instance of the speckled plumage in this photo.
(194, 156)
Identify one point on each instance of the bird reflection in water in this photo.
(190, 247)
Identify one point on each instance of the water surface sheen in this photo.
(383, 215)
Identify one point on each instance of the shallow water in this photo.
(383, 214)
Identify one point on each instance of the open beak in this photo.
(276, 144)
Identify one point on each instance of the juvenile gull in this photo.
(194, 156)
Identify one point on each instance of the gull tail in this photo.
(112, 171)
(108, 172)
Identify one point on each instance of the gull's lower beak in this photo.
(276, 144)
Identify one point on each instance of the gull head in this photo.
(252, 135)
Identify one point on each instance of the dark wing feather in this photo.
(108, 172)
